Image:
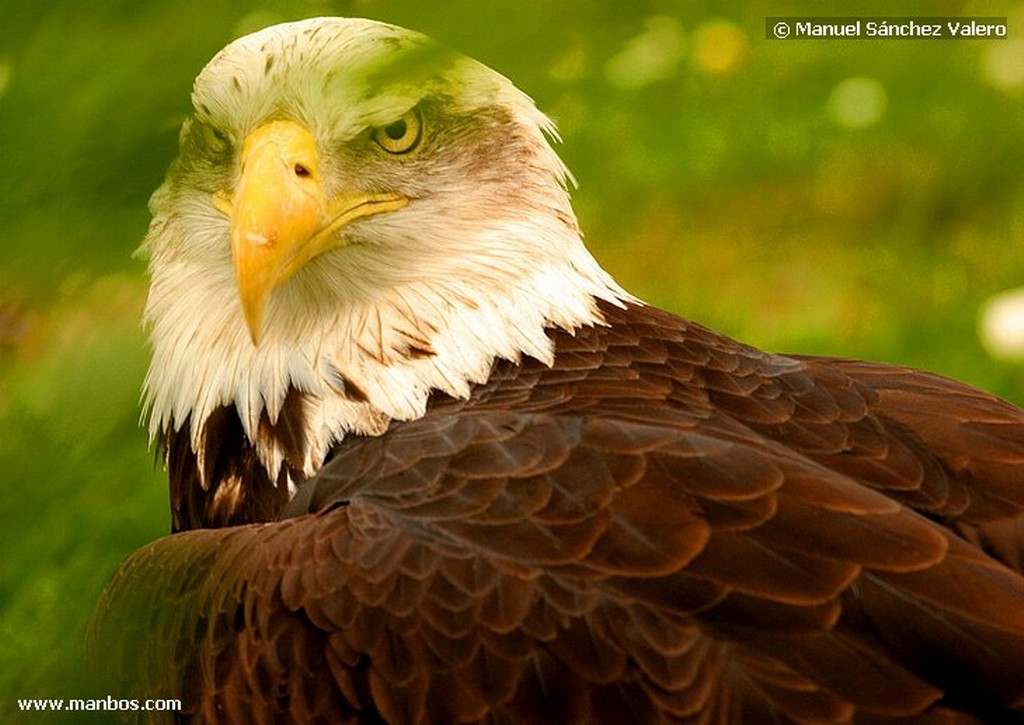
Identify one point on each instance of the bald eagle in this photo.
(429, 463)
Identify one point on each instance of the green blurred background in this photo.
(855, 198)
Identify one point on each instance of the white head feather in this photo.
(486, 255)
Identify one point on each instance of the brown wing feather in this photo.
(666, 525)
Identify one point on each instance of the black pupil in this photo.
(396, 130)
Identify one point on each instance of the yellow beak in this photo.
(280, 215)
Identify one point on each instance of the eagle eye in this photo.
(401, 136)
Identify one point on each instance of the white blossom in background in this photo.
(857, 103)
(652, 56)
(1002, 325)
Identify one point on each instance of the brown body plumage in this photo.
(651, 523)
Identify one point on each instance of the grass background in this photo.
(857, 198)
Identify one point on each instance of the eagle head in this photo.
(360, 217)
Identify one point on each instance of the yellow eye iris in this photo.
(401, 136)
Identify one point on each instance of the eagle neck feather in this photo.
(368, 359)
